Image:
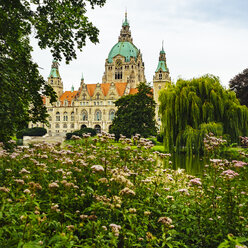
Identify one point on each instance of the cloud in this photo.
(200, 37)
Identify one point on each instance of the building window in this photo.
(159, 87)
(118, 74)
(72, 116)
(65, 118)
(50, 118)
(84, 115)
(57, 116)
(66, 103)
(72, 125)
(84, 96)
(111, 114)
(98, 96)
(160, 76)
(57, 126)
(98, 115)
(58, 104)
(65, 126)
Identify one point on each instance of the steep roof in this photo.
(120, 87)
(68, 95)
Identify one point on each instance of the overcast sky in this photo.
(200, 36)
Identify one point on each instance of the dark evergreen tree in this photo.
(61, 26)
(135, 114)
(239, 84)
(192, 108)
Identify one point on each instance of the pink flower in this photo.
(97, 168)
(195, 181)
(229, 174)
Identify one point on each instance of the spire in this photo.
(162, 60)
(72, 88)
(125, 23)
(162, 51)
(125, 34)
(54, 69)
(82, 78)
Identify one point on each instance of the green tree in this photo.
(135, 114)
(60, 26)
(192, 108)
(239, 84)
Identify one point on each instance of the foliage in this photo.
(239, 84)
(100, 195)
(80, 132)
(35, 131)
(160, 137)
(21, 85)
(193, 108)
(135, 114)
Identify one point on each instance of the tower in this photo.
(54, 79)
(124, 63)
(161, 79)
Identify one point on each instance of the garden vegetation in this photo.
(91, 193)
(193, 108)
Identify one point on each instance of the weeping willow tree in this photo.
(192, 108)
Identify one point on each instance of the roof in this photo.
(162, 66)
(120, 87)
(54, 73)
(68, 95)
(125, 49)
(133, 91)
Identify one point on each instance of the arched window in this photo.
(84, 96)
(66, 103)
(72, 125)
(84, 115)
(57, 126)
(111, 114)
(160, 75)
(57, 116)
(72, 116)
(98, 115)
(118, 73)
(50, 118)
(65, 118)
(65, 126)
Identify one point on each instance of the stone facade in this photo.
(92, 105)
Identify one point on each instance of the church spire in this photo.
(54, 69)
(125, 34)
(162, 60)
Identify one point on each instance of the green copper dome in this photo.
(126, 49)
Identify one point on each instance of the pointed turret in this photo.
(162, 61)
(125, 34)
(54, 78)
(161, 79)
(82, 79)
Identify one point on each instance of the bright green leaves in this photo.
(192, 108)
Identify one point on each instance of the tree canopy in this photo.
(61, 26)
(135, 114)
(192, 108)
(239, 84)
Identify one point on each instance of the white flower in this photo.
(97, 168)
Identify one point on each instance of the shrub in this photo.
(81, 132)
(35, 131)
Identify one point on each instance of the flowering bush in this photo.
(96, 194)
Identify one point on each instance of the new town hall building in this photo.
(92, 105)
